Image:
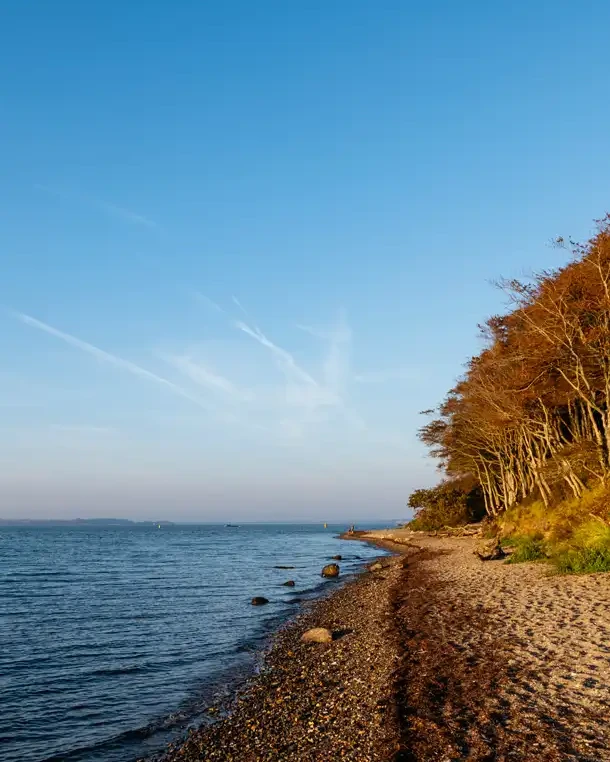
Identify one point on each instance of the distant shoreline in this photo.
(162, 522)
(80, 522)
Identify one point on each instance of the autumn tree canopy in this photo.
(531, 415)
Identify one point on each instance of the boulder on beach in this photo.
(259, 600)
(330, 570)
(489, 550)
(376, 566)
(317, 635)
(289, 583)
(337, 558)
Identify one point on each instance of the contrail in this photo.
(109, 358)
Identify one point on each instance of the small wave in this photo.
(128, 638)
(128, 737)
(316, 589)
(39, 574)
(175, 722)
(114, 671)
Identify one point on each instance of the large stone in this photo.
(489, 550)
(258, 600)
(337, 558)
(375, 566)
(317, 635)
(330, 570)
(289, 583)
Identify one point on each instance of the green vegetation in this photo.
(526, 548)
(450, 504)
(585, 561)
(588, 550)
(574, 538)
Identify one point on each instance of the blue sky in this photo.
(244, 244)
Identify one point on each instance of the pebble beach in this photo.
(317, 701)
(435, 656)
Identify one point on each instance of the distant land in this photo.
(73, 522)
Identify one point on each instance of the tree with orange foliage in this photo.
(532, 411)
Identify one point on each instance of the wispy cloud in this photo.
(203, 376)
(237, 303)
(312, 399)
(115, 210)
(301, 389)
(318, 333)
(209, 303)
(285, 360)
(337, 361)
(384, 376)
(110, 359)
(303, 401)
(338, 339)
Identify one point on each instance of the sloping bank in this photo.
(437, 656)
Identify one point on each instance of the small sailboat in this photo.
(325, 525)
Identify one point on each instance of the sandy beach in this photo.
(437, 656)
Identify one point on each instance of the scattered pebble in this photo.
(314, 703)
(317, 635)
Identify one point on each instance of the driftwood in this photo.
(489, 550)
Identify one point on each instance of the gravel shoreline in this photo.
(437, 657)
(315, 702)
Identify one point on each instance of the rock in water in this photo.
(337, 558)
(259, 600)
(290, 583)
(330, 570)
(317, 635)
(489, 550)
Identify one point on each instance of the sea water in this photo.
(114, 639)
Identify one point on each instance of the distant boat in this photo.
(324, 525)
(235, 526)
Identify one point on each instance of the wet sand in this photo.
(438, 656)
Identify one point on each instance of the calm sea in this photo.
(113, 640)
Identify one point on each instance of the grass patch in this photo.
(574, 534)
(594, 533)
(587, 551)
(582, 561)
(527, 548)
